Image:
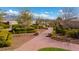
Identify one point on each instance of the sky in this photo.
(44, 12)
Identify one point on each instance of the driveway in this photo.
(41, 41)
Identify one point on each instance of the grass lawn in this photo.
(52, 49)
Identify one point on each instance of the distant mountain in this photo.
(10, 17)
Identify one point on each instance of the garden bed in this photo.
(20, 39)
(66, 39)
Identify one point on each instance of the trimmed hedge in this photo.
(17, 29)
(5, 38)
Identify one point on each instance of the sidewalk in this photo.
(41, 41)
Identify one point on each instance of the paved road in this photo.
(42, 41)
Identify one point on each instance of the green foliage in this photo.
(25, 18)
(40, 27)
(20, 29)
(59, 29)
(74, 33)
(5, 38)
(35, 26)
(4, 25)
(59, 18)
(65, 31)
(52, 49)
(1, 16)
(17, 26)
(30, 30)
(53, 34)
(8, 40)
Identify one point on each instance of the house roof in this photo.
(72, 24)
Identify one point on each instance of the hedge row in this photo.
(38, 26)
(19, 29)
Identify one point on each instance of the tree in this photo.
(68, 13)
(25, 18)
(59, 18)
(2, 14)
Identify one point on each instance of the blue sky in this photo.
(46, 12)
(51, 12)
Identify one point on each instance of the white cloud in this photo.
(12, 12)
(60, 11)
(43, 15)
(46, 12)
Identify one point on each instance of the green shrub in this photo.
(35, 26)
(30, 30)
(4, 25)
(2, 41)
(74, 33)
(41, 27)
(8, 40)
(19, 30)
(69, 32)
(5, 38)
(53, 34)
(59, 29)
(17, 26)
